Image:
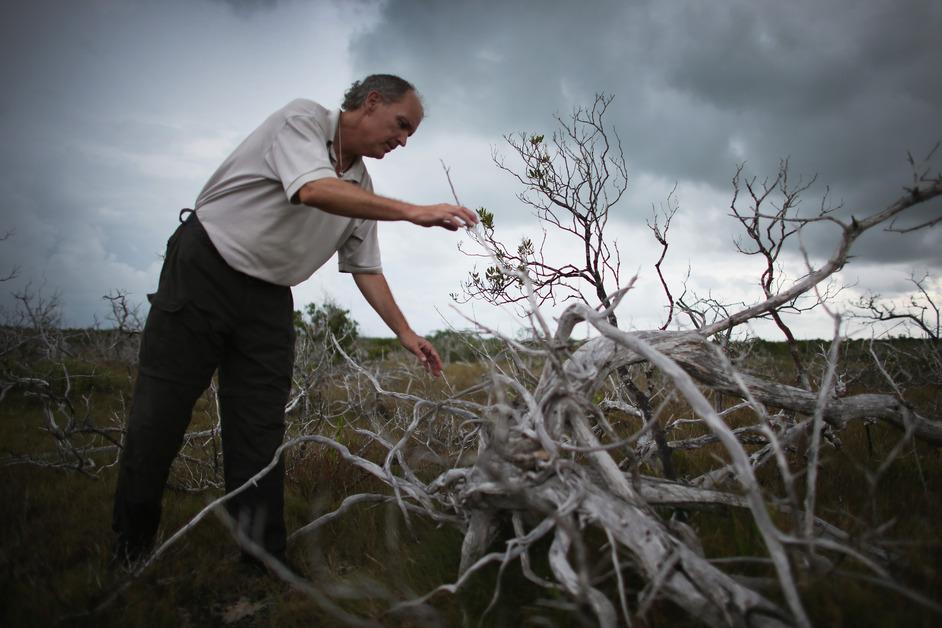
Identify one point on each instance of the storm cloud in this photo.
(841, 89)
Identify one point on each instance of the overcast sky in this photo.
(115, 112)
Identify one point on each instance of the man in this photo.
(291, 195)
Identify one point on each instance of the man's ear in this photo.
(372, 100)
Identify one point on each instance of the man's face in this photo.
(388, 126)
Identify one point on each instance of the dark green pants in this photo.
(207, 316)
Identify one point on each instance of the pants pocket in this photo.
(179, 343)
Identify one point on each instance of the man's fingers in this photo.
(430, 358)
(432, 354)
(434, 363)
(469, 216)
(424, 351)
(419, 353)
(464, 217)
(451, 217)
(452, 221)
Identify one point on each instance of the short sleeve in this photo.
(360, 253)
(299, 155)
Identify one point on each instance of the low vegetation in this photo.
(58, 477)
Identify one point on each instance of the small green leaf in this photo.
(487, 218)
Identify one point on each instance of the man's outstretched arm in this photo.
(377, 294)
(346, 199)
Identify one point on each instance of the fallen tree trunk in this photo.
(592, 362)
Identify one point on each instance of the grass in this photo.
(55, 531)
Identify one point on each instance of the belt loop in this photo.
(186, 212)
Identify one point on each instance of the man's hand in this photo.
(451, 217)
(423, 350)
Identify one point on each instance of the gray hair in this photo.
(390, 88)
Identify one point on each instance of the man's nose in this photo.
(403, 138)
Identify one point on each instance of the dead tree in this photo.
(572, 182)
(918, 312)
(769, 224)
(39, 360)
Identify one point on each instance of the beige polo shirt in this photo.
(250, 209)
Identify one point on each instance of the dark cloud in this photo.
(114, 113)
(805, 60)
(247, 8)
(843, 89)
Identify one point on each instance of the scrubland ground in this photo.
(55, 536)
